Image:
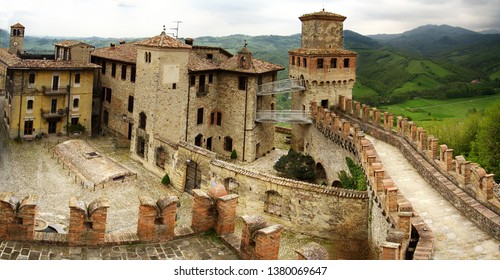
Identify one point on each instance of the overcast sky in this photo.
(145, 18)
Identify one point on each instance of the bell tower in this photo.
(16, 44)
(328, 70)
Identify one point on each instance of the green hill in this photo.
(428, 61)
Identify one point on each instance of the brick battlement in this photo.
(156, 223)
(465, 184)
(397, 210)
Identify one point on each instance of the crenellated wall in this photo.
(156, 223)
(465, 184)
(391, 214)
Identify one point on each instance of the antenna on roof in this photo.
(176, 28)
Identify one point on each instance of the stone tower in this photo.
(16, 38)
(327, 69)
(160, 106)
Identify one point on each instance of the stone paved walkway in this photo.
(457, 238)
(202, 247)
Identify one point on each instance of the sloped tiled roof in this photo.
(198, 63)
(70, 43)
(14, 62)
(8, 58)
(164, 41)
(123, 52)
(258, 66)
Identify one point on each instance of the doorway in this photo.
(193, 176)
(28, 127)
(52, 127)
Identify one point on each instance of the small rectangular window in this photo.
(74, 121)
(319, 63)
(192, 80)
(304, 62)
(212, 118)
(103, 67)
(77, 78)
(242, 83)
(174, 86)
(293, 60)
(130, 103)
(108, 95)
(333, 63)
(199, 116)
(32, 78)
(346, 63)
(132, 74)
(210, 78)
(210, 56)
(124, 72)
(113, 70)
(219, 118)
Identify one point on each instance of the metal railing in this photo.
(285, 116)
(58, 91)
(281, 86)
(47, 114)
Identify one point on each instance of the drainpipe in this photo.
(245, 119)
(69, 97)
(187, 109)
(20, 101)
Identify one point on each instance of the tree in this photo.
(486, 146)
(297, 166)
(356, 179)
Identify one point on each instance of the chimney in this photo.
(189, 41)
(112, 45)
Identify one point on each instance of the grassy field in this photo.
(433, 109)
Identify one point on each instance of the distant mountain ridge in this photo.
(389, 66)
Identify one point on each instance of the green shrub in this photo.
(296, 165)
(356, 179)
(234, 154)
(166, 180)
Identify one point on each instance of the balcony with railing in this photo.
(55, 91)
(281, 86)
(51, 114)
(284, 116)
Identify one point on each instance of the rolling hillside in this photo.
(391, 68)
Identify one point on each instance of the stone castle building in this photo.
(159, 91)
(46, 94)
(162, 90)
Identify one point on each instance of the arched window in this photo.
(76, 103)
(142, 120)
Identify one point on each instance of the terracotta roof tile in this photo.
(198, 63)
(164, 41)
(123, 52)
(70, 43)
(14, 62)
(258, 66)
(8, 58)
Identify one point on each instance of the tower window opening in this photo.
(319, 64)
(346, 63)
(333, 63)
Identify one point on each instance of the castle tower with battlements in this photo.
(327, 69)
